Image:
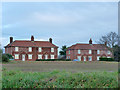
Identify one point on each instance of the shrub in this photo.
(9, 56)
(106, 59)
(53, 59)
(5, 58)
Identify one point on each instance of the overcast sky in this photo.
(67, 23)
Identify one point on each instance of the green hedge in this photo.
(106, 59)
(53, 59)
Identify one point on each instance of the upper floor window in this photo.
(98, 51)
(90, 51)
(52, 49)
(108, 52)
(79, 52)
(69, 51)
(40, 49)
(30, 49)
(16, 49)
(29, 56)
(16, 56)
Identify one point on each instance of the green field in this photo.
(61, 74)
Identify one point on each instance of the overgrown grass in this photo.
(58, 79)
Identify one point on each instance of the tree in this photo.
(63, 50)
(112, 39)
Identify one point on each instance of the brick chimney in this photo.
(90, 41)
(50, 40)
(105, 43)
(11, 39)
(32, 38)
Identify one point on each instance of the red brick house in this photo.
(30, 50)
(87, 52)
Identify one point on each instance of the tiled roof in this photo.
(88, 46)
(27, 43)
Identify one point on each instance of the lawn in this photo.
(55, 74)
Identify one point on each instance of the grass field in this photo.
(60, 74)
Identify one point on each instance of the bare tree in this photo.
(111, 39)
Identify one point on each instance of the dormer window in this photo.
(98, 51)
(16, 49)
(79, 52)
(52, 49)
(90, 51)
(40, 49)
(30, 49)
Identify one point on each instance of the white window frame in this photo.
(30, 49)
(16, 56)
(90, 58)
(90, 51)
(52, 49)
(46, 56)
(108, 52)
(39, 49)
(79, 58)
(69, 52)
(98, 51)
(98, 58)
(52, 56)
(39, 56)
(108, 57)
(30, 56)
(16, 49)
(79, 51)
(84, 58)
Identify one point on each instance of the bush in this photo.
(106, 59)
(53, 59)
(9, 56)
(5, 58)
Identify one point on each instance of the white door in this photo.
(23, 57)
(84, 58)
(46, 56)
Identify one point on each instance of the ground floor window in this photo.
(46, 56)
(16, 56)
(29, 56)
(39, 56)
(108, 57)
(79, 58)
(84, 58)
(90, 58)
(52, 56)
(98, 58)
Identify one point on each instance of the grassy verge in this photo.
(59, 79)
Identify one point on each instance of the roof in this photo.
(27, 43)
(87, 46)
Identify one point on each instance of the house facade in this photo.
(88, 52)
(30, 50)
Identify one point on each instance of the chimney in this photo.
(32, 38)
(90, 41)
(11, 39)
(105, 43)
(50, 40)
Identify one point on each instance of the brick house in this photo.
(31, 50)
(87, 52)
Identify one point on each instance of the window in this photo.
(98, 57)
(79, 52)
(84, 58)
(79, 58)
(90, 58)
(40, 49)
(30, 49)
(108, 52)
(98, 51)
(46, 56)
(52, 56)
(52, 49)
(90, 51)
(29, 56)
(16, 49)
(16, 56)
(69, 51)
(39, 56)
(108, 57)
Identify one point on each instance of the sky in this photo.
(67, 23)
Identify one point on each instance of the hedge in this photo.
(106, 59)
(53, 59)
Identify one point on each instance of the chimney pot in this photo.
(11, 39)
(50, 40)
(105, 43)
(32, 38)
(90, 41)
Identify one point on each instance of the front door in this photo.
(23, 57)
(46, 56)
